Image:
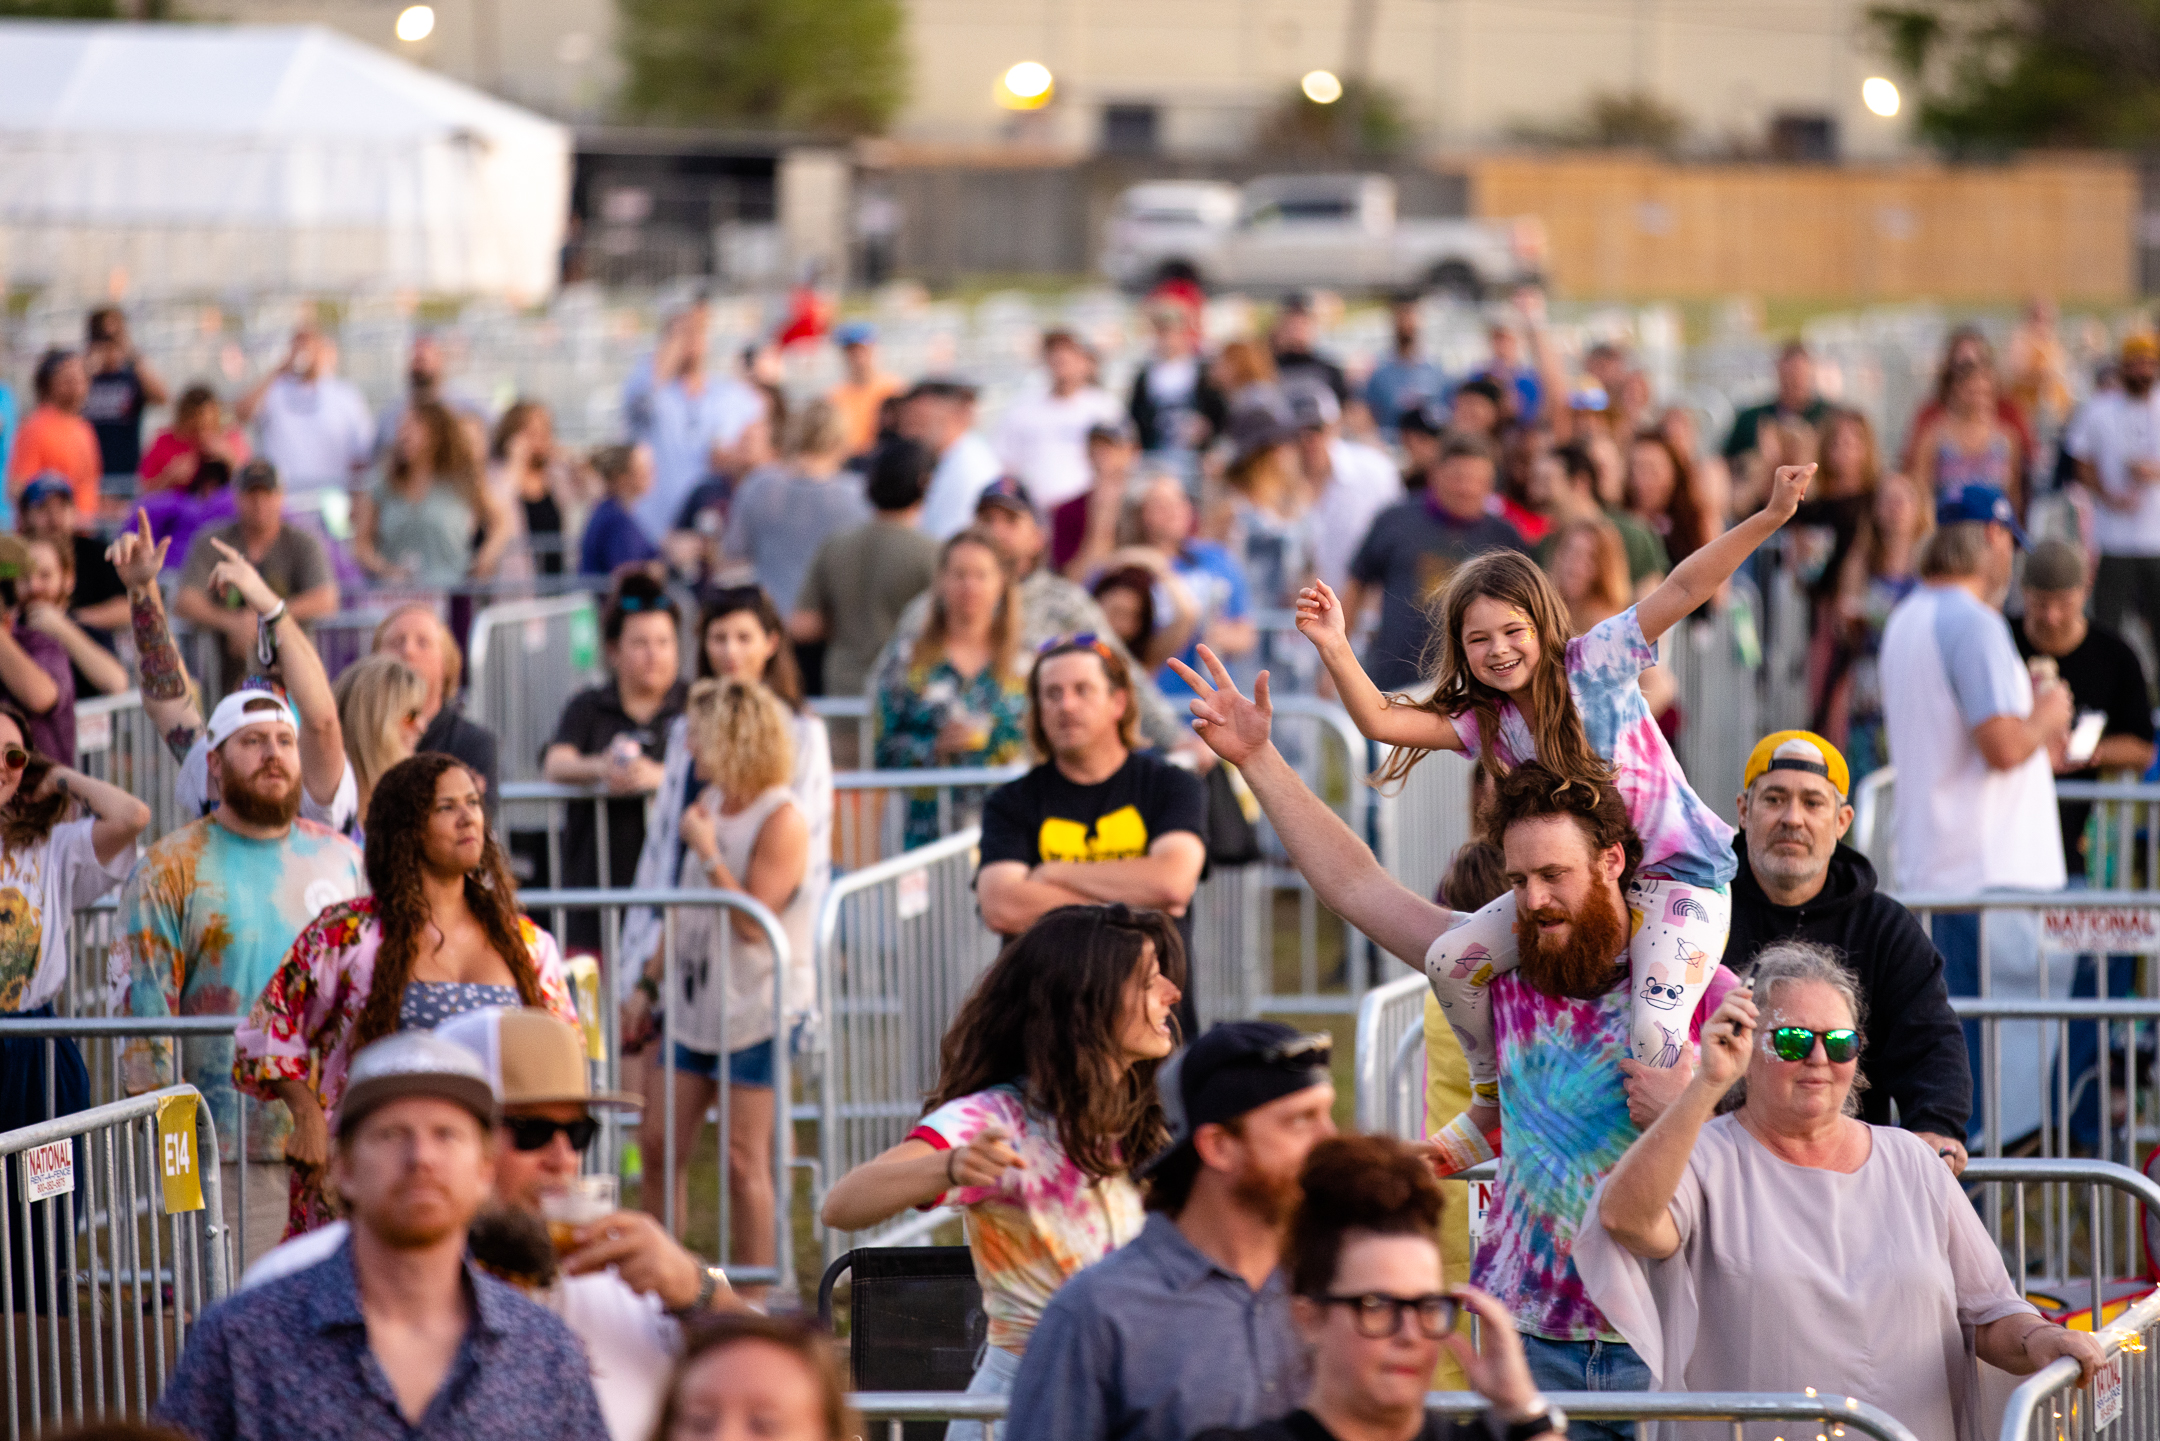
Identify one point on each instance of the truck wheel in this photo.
(1455, 280)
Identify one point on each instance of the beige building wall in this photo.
(1469, 69)
(555, 56)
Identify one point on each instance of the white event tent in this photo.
(204, 159)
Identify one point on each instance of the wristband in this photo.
(1459, 1146)
(274, 616)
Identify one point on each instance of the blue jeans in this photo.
(1588, 1366)
(2085, 1057)
(1957, 936)
(994, 1376)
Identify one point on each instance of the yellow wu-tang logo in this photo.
(1119, 836)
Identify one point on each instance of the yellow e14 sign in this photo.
(177, 1159)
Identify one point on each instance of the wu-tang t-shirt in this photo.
(1044, 817)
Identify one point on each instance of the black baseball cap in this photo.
(1007, 493)
(1236, 1067)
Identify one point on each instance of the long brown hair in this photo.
(1690, 526)
(1515, 581)
(397, 820)
(451, 459)
(1004, 622)
(26, 822)
(783, 677)
(1047, 1014)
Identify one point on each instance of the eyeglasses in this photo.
(530, 1133)
(14, 757)
(1379, 1316)
(1797, 1043)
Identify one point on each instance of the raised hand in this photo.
(137, 556)
(983, 1160)
(1321, 618)
(1787, 488)
(1233, 727)
(1727, 1039)
(235, 571)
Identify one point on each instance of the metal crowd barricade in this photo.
(1334, 962)
(899, 944)
(1834, 1415)
(2125, 819)
(98, 1285)
(2050, 1405)
(871, 806)
(1870, 833)
(847, 722)
(525, 658)
(116, 743)
(543, 808)
(1390, 1059)
(1424, 823)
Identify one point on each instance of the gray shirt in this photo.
(1156, 1342)
(778, 521)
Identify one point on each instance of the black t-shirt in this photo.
(2104, 675)
(114, 409)
(1044, 817)
(95, 583)
(544, 518)
(589, 725)
(1302, 1425)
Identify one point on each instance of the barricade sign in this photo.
(93, 731)
(584, 974)
(2107, 1384)
(1484, 1199)
(2101, 929)
(176, 1153)
(49, 1170)
(911, 895)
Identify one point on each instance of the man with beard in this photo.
(2115, 440)
(1188, 1327)
(204, 923)
(1560, 1020)
(397, 1333)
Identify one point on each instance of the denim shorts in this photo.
(750, 1066)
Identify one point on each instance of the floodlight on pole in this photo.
(1880, 96)
(1026, 86)
(415, 23)
(1321, 87)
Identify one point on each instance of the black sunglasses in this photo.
(1377, 1316)
(530, 1133)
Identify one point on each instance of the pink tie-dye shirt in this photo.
(1683, 839)
(1045, 1218)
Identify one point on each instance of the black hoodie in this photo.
(1914, 1049)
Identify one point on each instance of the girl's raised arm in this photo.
(1697, 578)
(1324, 621)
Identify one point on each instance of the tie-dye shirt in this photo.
(1683, 839)
(1563, 1109)
(204, 923)
(1044, 1219)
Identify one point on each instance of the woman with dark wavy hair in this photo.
(1045, 1099)
(439, 935)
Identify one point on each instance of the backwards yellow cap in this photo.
(1798, 751)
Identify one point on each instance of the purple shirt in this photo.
(291, 1358)
(51, 734)
(179, 514)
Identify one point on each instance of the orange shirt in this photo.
(858, 407)
(54, 440)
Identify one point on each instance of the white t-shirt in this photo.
(1948, 663)
(967, 465)
(318, 433)
(1043, 440)
(41, 888)
(191, 793)
(1363, 483)
(630, 1341)
(2109, 432)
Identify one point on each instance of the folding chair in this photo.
(915, 1321)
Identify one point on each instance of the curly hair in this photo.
(1533, 791)
(397, 820)
(1048, 1013)
(1555, 723)
(1375, 1185)
(26, 821)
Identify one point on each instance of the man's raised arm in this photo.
(1340, 868)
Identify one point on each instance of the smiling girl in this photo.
(1510, 667)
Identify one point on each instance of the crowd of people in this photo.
(1169, 1237)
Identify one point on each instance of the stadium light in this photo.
(1321, 87)
(1880, 96)
(1027, 86)
(415, 23)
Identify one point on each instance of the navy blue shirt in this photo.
(290, 1358)
(1411, 550)
(1156, 1342)
(613, 537)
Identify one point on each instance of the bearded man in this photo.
(1560, 1019)
(207, 918)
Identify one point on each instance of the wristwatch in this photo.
(1549, 1421)
(708, 1287)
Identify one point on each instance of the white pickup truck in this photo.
(1290, 232)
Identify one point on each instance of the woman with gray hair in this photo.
(1781, 1242)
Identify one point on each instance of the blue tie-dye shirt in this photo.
(1683, 839)
(1563, 1110)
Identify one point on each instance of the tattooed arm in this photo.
(168, 698)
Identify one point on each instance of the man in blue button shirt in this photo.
(396, 1335)
(1188, 1327)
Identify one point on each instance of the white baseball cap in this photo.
(244, 708)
